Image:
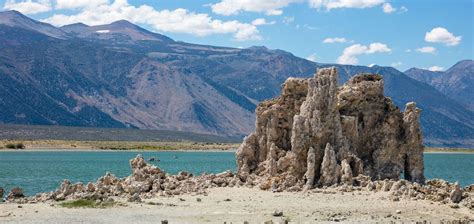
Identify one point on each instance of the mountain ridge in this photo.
(173, 85)
(457, 82)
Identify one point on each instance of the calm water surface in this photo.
(43, 171)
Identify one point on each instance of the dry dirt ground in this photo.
(237, 205)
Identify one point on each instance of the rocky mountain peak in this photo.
(120, 30)
(16, 19)
(123, 23)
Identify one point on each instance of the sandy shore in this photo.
(237, 205)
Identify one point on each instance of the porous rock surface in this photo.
(318, 134)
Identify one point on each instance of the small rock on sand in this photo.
(15, 193)
(456, 194)
(277, 213)
(135, 198)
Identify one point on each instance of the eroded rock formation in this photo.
(146, 181)
(319, 134)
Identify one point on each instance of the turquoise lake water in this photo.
(44, 171)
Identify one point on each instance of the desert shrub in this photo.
(15, 146)
(10, 146)
(87, 203)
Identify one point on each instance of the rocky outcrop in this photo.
(319, 134)
(15, 193)
(435, 190)
(146, 181)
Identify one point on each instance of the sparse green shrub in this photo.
(10, 146)
(87, 203)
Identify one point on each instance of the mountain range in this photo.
(457, 82)
(123, 76)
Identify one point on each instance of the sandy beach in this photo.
(237, 205)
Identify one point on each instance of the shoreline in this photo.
(55, 149)
(111, 150)
(152, 146)
(240, 204)
(69, 145)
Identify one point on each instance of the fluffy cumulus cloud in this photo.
(275, 7)
(335, 4)
(350, 54)
(427, 50)
(28, 7)
(388, 8)
(335, 40)
(436, 68)
(174, 21)
(75, 4)
(233, 7)
(442, 35)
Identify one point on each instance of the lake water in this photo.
(43, 171)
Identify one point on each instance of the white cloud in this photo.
(334, 4)
(388, 8)
(427, 50)
(436, 68)
(175, 21)
(349, 55)
(29, 6)
(74, 4)
(335, 40)
(442, 35)
(234, 7)
(396, 64)
(262, 21)
(408, 50)
(311, 57)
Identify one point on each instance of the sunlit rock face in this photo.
(317, 133)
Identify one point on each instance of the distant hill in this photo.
(120, 75)
(49, 132)
(457, 82)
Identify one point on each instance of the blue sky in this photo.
(432, 34)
